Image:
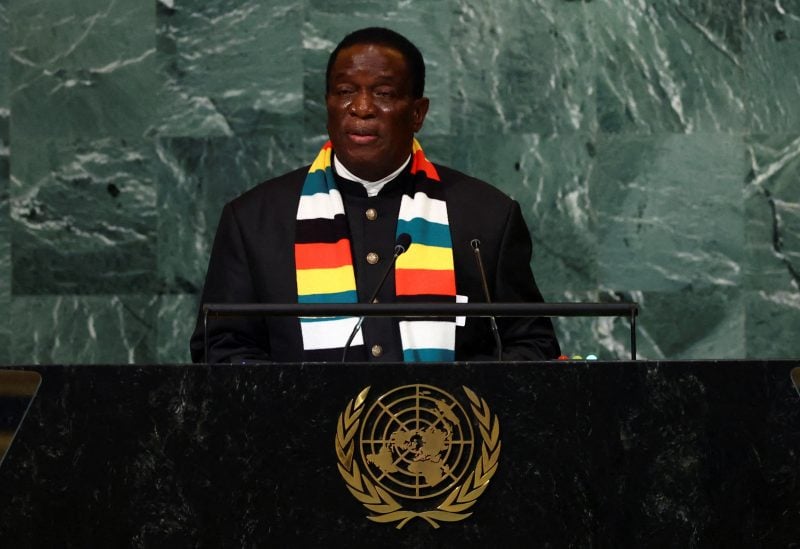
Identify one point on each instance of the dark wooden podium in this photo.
(592, 454)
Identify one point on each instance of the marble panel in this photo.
(228, 69)
(669, 66)
(69, 329)
(5, 286)
(5, 261)
(427, 24)
(521, 67)
(4, 67)
(773, 317)
(5, 244)
(81, 68)
(773, 246)
(669, 211)
(196, 177)
(83, 217)
(697, 323)
(772, 65)
(772, 210)
(176, 314)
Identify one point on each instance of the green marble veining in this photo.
(84, 217)
(772, 268)
(772, 195)
(668, 66)
(654, 148)
(771, 320)
(520, 67)
(550, 178)
(702, 322)
(5, 242)
(81, 69)
(196, 177)
(228, 68)
(174, 325)
(669, 211)
(69, 329)
(772, 65)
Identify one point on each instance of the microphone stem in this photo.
(492, 321)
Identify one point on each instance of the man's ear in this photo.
(420, 110)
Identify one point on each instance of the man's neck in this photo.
(372, 187)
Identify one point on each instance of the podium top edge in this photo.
(422, 309)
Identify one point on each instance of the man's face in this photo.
(372, 117)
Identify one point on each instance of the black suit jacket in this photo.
(252, 261)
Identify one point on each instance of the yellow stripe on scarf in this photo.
(420, 256)
(322, 161)
(325, 281)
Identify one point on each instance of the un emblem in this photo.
(415, 444)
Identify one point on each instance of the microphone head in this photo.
(402, 243)
(475, 243)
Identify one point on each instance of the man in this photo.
(326, 234)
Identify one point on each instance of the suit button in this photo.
(377, 351)
(372, 258)
(372, 214)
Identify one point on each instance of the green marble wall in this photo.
(654, 147)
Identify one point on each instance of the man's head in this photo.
(374, 84)
(385, 37)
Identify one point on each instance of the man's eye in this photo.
(384, 92)
(344, 91)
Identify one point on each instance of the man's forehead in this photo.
(356, 52)
(376, 75)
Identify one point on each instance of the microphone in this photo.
(476, 247)
(400, 247)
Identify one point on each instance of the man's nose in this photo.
(362, 105)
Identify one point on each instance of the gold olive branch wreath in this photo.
(379, 501)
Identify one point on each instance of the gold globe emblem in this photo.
(417, 443)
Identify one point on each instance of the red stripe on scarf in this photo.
(321, 255)
(421, 164)
(425, 281)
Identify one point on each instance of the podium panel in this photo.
(410, 455)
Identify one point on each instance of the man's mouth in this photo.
(362, 138)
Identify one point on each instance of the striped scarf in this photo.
(324, 262)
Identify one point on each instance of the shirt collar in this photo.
(372, 187)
